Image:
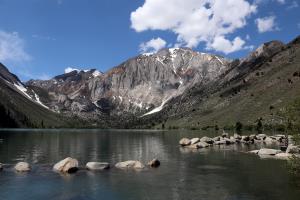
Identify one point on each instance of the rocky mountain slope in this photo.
(139, 86)
(21, 106)
(173, 88)
(260, 86)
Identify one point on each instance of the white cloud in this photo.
(223, 45)
(70, 69)
(12, 47)
(266, 24)
(193, 21)
(153, 45)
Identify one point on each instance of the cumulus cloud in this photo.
(70, 69)
(266, 24)
(12, 47)
(193, 21)
(222, 44)
(152, 45)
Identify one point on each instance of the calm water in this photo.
(214, 173)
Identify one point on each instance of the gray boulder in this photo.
(293, 149)
(215, 139)
(284, 156)
(220, 142)
(229, 141)
(194, 141)
(185, 142)
(68, 165)
(245, 138)
(225, 135)
(261, 136)
(253, 151)
(94, 166)
(22, 167)
(237, 136)
(269, 140)
(207, 140)
(130, 164)
(199, 145)
(268, 152)
(154, 163)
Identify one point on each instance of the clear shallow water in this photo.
(213, 173)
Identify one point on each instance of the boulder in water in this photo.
(154, 163)
(194, 141)
(97, 166)
(68, 165)
(130, 164)
(185, 142)
(268, 152)
(253, 151)
(284, 156)
(22, 167)
(293, 149)
(207, 140)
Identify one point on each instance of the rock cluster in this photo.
(291, 151)
(225, 139)
(71, 165)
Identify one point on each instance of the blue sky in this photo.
(40, 38)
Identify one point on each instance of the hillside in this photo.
(262, 88)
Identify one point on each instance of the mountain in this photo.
(139, 86)
(260, 86)
(172, 88)
(20, 107)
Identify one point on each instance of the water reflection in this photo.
(218, 172)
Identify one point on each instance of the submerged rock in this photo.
(268, 152)
(68, 165)
(254, 151)
(22, 167)
(285, 156)
(185, 142)
(198, 145)
(154, 163)
(97, 166)
(130, 164)
(195, 140)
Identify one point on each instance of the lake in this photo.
(224, 172)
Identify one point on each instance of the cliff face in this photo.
(137, 86)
